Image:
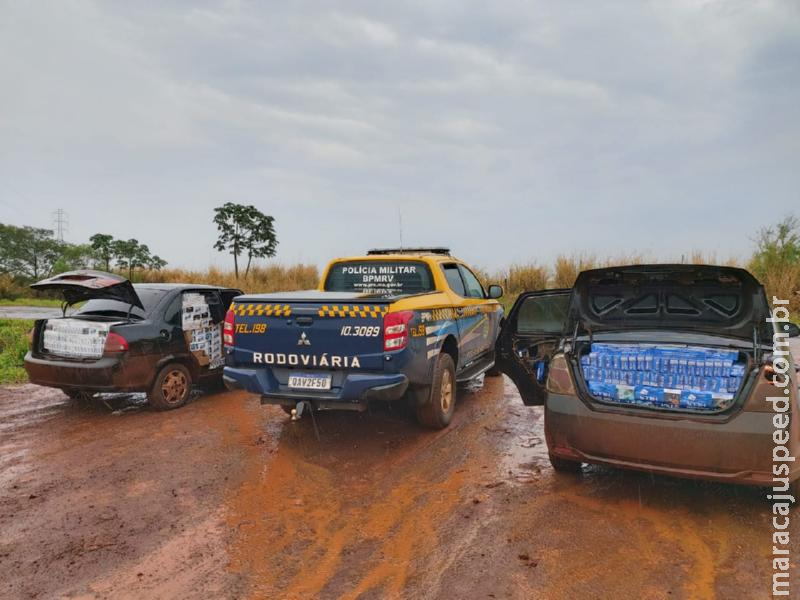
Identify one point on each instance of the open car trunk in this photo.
(689, 335)
(84, 336)
(668, 376)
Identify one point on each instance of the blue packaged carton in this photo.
(625, 393)
(697, 399)
(649, 395)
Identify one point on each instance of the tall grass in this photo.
(271, 278)
(13, 346)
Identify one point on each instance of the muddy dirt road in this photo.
(224, 498)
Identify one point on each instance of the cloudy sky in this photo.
(510, 131)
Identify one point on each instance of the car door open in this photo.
(529, 336)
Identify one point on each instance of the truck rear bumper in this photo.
(353, 392)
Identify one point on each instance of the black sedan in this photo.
(154, 338)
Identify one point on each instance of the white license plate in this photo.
(310, 382)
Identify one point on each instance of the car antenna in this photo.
(400, 223)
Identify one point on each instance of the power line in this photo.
(61, 222)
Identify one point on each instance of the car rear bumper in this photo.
(350, 391)
(107, 374)
(739, 450)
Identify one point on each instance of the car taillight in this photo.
(395, 330)
(115, 343)
(227, 329)
(559, 378)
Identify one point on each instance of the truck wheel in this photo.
(171, 388)
(437, 411)
(562, 465)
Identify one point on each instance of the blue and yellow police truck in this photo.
(394, 324)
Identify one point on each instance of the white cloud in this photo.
(596, 128)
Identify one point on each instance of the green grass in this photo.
(31, 302)
(13, 346)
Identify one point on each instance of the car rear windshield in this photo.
(385, 278)
(150, 298)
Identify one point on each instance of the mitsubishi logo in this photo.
(303, 341)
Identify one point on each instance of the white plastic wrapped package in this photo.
(74, 338)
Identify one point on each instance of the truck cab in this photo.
(387, 325)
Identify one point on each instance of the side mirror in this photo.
(495, 291)
(792, 330)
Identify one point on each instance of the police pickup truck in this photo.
(393, 324)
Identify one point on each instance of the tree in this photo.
(74, 256)
(130, 255)
(156, 263)
(103, 245)
(262, 242)
(244, 229)
(28, 252)
(777, 247)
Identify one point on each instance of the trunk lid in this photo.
(725, 301)
(310, 330)
(82, 285)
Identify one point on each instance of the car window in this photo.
(543, 314)
(383, 277)
(454, 279)
(173, 313)
(474, 287)
(150, 298)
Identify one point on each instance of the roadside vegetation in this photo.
(775, 262)
(13, 346)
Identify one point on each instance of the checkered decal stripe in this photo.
(262, 310)
(363, 311)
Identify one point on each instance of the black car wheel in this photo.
(436, 411)
(171, 388)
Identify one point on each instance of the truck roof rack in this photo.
(436, 250)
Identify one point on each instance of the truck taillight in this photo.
(115, 343)
(395, 330)
(227, 329)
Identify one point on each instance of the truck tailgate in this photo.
(306, 333)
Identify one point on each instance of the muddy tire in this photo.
(436, 411)
(562, 465)
(79, 395)
(171, 388)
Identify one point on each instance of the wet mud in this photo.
(226, 498)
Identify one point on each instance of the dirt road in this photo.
(224, 498)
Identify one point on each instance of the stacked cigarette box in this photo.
(202, 335)
(75, 337)
(666, 376)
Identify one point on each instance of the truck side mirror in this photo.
(495, 291)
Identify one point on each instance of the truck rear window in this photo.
(386, 278)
